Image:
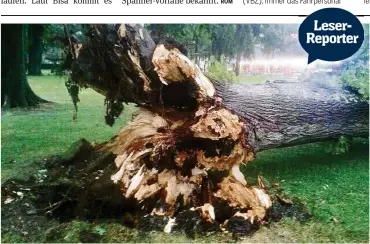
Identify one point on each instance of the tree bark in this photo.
(280, 114)
(35, 48)
(276, 114)
(237, 63)
(15, 89)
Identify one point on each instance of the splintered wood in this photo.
(183, 148)
(158, 163)
(173, 66)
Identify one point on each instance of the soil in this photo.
(37, 209)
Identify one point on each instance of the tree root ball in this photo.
(79, 185)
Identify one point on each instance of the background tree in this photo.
(35, 48)
(195, 38)
(355, 71)
(55, 42)
(289, 43)
(244, 44)
(272, 39)
(200, 40)
(222, 44)
(205, 40)
(15, 90)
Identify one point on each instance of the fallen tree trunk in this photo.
(276, 114)
(279, 114)
(184, 146)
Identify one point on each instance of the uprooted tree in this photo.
(184, 146)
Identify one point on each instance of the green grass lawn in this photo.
(334, 187)
(31, 134)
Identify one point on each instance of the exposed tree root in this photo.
(176, 163)
(182, 149)
(80, 186)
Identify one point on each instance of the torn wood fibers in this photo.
(183, 148)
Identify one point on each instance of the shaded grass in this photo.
(334, 187)
(48, 130)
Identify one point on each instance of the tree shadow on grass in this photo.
(297, 161)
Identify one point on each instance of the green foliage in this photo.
(358, 78)
(195, 37)
(73, 90)
(114, 108)
(339, 146)
(219, 71)
(66, 233)
(223, 40)
(233, 41)
(55, 49)
(356, 69)
(204, 40)
(55, 32)
(99, 230)
(273, 39)
(72, 234)
(12, 237)
(245, 40)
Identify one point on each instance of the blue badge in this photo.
(331, 34)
